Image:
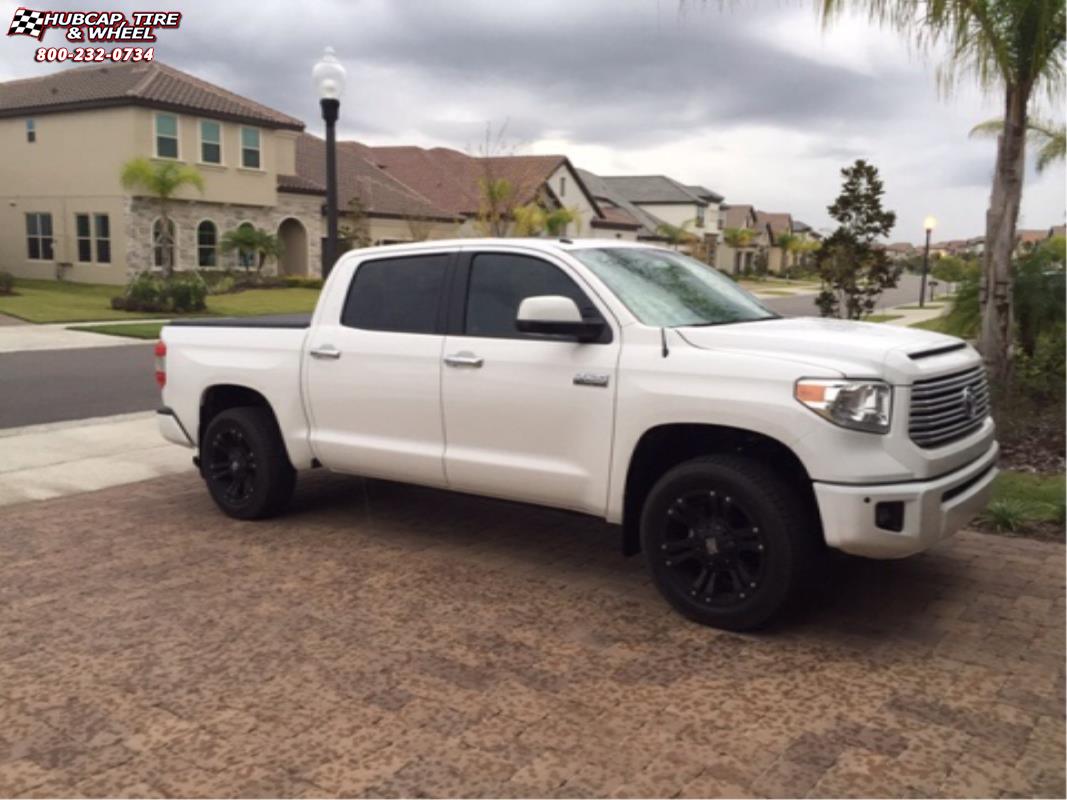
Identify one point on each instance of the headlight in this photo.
(861, 405)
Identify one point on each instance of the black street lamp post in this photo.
(929, 224)
(329, 77)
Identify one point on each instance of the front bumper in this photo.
(848, 512)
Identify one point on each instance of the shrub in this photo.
(185, 293)
(7, 283)
(146, 292)
(1007, 516)
(297, 282)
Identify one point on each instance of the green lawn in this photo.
(136, 330)
(883, 317)
(1043, 495)
(937, 324)
(52, 301)
(917, 308)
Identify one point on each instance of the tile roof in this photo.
(300, 184)
(1031, 234)
(778, 222)
(738, 216)
(357, 176)
(152, 84)
(704, 193)
(452, 180)
(650, 189)
(601, 190)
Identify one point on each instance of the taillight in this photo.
(161, 363)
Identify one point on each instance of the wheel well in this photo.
(217, 399)
(666, 446)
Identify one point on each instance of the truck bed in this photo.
(296, 321)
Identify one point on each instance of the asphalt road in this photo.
(57, 385)
(804, 306)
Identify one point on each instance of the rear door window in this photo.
(400, 295)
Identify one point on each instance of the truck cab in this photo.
(614, 379)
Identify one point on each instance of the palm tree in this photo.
(1017, 47)
(1049, 138)
(738, 237)
(676, 235)
(787, 243)
(161, 180)
(255, 243)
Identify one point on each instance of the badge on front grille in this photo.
(970, 402)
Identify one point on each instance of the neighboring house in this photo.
(1057, 230)
(668, 201)
(66, 136)
(621, 219)
(1027, 239)
(452, 182)
(900, 251)
(776, 224)
(739, 259)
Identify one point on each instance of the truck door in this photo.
(373, 376)
(527, 417)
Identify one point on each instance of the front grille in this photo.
(948, 408)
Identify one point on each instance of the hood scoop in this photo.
(936, 351)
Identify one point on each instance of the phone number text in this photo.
(91, 54)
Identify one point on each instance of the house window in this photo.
(210, 142)
(102, 230)
(250, 148)
(563, 186)
(83, 231)
(163, 243)
(166, 136)
(39, 236)
(31, 131)
(207, 244)
(700, 216)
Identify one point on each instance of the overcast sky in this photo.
(754, 101)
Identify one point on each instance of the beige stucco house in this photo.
(66, 136)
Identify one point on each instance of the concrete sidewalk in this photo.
(16, 338)
(44, 461)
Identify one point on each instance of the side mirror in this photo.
(555, 315)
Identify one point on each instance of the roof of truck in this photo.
(534, 243)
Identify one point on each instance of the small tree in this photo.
(256, 244)
(162, 181)
(355, 229)
(677, 235)
(738, 238)
(533, 220)
(854, 272)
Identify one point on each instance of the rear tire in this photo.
(727, 541)
(244, 464)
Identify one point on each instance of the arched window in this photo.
(163, 244)
(207, 244)
(246, 258)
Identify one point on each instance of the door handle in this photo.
(464, 359)
(326, 351)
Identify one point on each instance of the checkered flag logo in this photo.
(27, 23)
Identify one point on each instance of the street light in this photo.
(929, 224)
(329, 78)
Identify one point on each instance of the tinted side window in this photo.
(401, 295)
(500, 282)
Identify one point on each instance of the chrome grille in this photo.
(948, 408)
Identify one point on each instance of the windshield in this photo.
(668, 289)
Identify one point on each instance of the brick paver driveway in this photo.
(387, 640)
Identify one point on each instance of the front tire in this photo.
(727, 541)
(244, 464)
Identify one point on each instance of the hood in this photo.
(855, 349)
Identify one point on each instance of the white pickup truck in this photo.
(615, 379)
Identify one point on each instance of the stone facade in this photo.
(187, 216)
